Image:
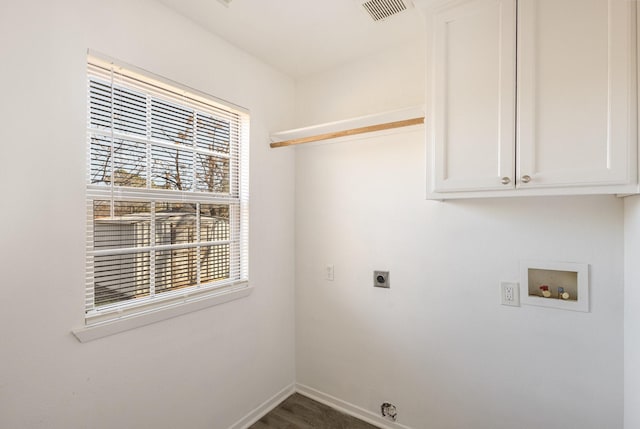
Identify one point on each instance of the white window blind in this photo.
(167, 192)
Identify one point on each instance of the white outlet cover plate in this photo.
(510, 294)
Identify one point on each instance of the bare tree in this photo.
(127, 173)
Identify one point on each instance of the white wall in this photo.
(632, 312)
(438, 344)
(388, 80)
(203, 370)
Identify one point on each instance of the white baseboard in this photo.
(264, 408)
(347, 408)
(331, 401)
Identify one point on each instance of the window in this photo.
(167, 193)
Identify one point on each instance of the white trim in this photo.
(263, 409)
(560, 190)
(326, 399)
(348, 408)
(135, 307)
(136, 320)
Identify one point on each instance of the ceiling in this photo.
(302, 37)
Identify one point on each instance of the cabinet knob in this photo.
(505, 180)
(526, 178)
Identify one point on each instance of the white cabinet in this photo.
(473, 95)
(532, 97)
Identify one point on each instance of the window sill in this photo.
(167, 310)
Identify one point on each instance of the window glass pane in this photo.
(100, 168)
(121, 277)
(128, 227)
(129, 111)
(214, 263)
(212, 173)
(175, 223)
(176, 268)
(212, 133)
(214, 222)
(171, 168)
(171, 122)
(130, 163)
(99, 104)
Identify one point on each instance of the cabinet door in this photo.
(575, 92)
(473, 96)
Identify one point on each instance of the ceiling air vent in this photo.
(381, 9)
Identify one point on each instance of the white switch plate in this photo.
(329, 272)
(510, 294)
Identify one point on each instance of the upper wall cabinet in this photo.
(532, 97)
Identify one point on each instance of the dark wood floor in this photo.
(300, 412)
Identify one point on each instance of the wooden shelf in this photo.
(350, 127)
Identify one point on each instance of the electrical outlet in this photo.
(510, 294)
(381, 279)
(329, 272)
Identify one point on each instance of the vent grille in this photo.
(381, 9)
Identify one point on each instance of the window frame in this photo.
(130, 313)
